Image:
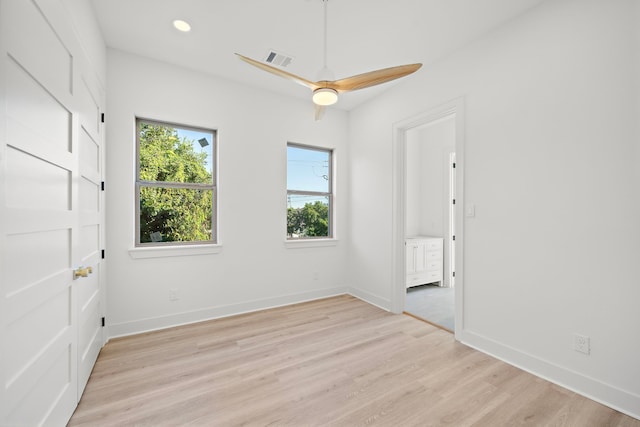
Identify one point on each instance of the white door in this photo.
(90, 202)
(44, 216)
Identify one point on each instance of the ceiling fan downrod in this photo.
(324, 96)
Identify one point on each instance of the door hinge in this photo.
(102, 186)
(454, 165)
(454, 238)
(454, 274)
(102, 118)
(454, 201)
(103, 322)
(102, 254)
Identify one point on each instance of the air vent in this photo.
(277, 58)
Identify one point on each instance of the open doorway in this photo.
(427, 228)
(429, 225)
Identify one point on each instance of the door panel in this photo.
(34, 183)
(89, 155)
(90, 110)
(89, 244)
(31, 105)
(89, 326)
(89, 196)
(51, 248)
(37, 46)
(42, 395)
(34, 331)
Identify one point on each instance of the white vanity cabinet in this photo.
(423, 255)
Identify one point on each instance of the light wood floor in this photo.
(337, 361)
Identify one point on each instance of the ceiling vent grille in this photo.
(277, 58)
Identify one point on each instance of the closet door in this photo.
(90, 198)
(45, 218)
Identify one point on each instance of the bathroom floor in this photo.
(432, 303)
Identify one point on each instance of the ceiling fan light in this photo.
(325, 96)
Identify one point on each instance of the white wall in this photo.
(414, 184)
(254, 269)
(427, 152)
(637, 72)
(551, 146)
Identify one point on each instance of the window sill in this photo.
(171, 251)
(315, 243)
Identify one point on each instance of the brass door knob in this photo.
(82, 272)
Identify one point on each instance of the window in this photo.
(175, 184)
(309, 192)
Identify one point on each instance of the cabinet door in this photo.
(420, 249)
(410, 257)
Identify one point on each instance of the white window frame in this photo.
(164, 246)
(314, 240)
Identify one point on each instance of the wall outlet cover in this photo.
(581, 343)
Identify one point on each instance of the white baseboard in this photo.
(384, 304)
(613, 397)
(169, 321)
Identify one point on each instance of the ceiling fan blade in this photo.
(372, 78)
(319, 112)
(278, 72)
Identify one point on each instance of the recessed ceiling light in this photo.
(182, 25)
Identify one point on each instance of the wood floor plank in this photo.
(331, 362)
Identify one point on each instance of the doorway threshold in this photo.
(427, 321)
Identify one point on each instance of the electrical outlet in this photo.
(581, 343)
(173, 295)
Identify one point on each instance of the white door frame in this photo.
(400, 130)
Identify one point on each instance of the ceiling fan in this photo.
(326, 89)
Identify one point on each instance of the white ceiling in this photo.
(363, 35)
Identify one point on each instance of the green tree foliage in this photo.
(311, 220)
(178, 214)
